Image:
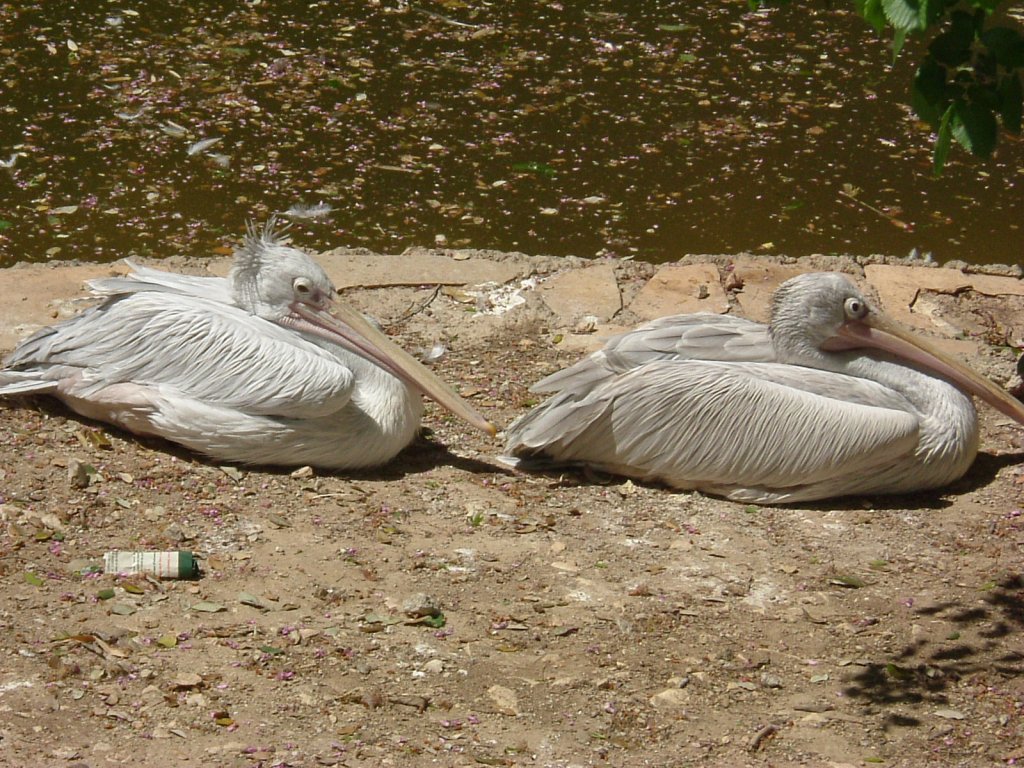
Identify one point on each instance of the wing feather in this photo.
(222, 356)
(699, 336)
(732, 426)
(143, 278)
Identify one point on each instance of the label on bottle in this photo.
(176, 564)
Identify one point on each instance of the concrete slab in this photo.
(681, 289)
(38, 295)
(42, 295)
(900, 290)
(576, 293)
(372, 270)
(585, 343)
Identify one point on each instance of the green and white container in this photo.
(176, 564)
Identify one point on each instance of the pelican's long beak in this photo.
(881, 333)
(341, 324)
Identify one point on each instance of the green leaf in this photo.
(943, 142)
(1010, 99)
(234, 473)
(899, 37)
(532, 166)
(932, 10)
(105, 594)
(974, 128)
(904, 15)
(988, 6)
(1006, 45)
(872, 13)
(897, 672)
(205, 606)
(271, 650)
(35, 581)
(953, 46)
(254, 601)
(928, 95)
(4, 224)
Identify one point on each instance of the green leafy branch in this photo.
(969, 80)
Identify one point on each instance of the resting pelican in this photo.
(830, 399)
(266, 367)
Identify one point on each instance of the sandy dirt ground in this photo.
(578, 619)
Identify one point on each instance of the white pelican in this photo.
(830, 399)
(266, 367)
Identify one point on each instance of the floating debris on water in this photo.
(202, 145)
(303, 211)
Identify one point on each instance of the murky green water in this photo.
(560, 128)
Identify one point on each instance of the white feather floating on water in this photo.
(173, 129)
(303, 211)
(202, 145)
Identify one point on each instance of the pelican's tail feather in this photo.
(147, 279)
(13, 383)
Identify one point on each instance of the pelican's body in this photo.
(258, 368)
(795, 411)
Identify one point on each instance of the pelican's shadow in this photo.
(982, 472)
(422, 455)
(986, 466)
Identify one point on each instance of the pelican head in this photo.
(818, 314)
(808, 310)
(283, 285)
(269, 277)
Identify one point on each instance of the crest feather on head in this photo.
(253, 254)
(250, 255)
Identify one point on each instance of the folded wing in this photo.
(785, 430)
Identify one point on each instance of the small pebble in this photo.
(421, 604)
(771, 681)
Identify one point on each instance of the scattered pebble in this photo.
(505, 700)
(421, 604)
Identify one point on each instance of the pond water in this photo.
(546, 127)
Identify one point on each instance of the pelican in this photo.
(265, 367)
(830, 399)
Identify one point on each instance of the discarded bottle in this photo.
(176, 564)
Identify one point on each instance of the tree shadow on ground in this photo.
(922, 672)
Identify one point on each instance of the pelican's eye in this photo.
(855, 308)
(302, 286)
